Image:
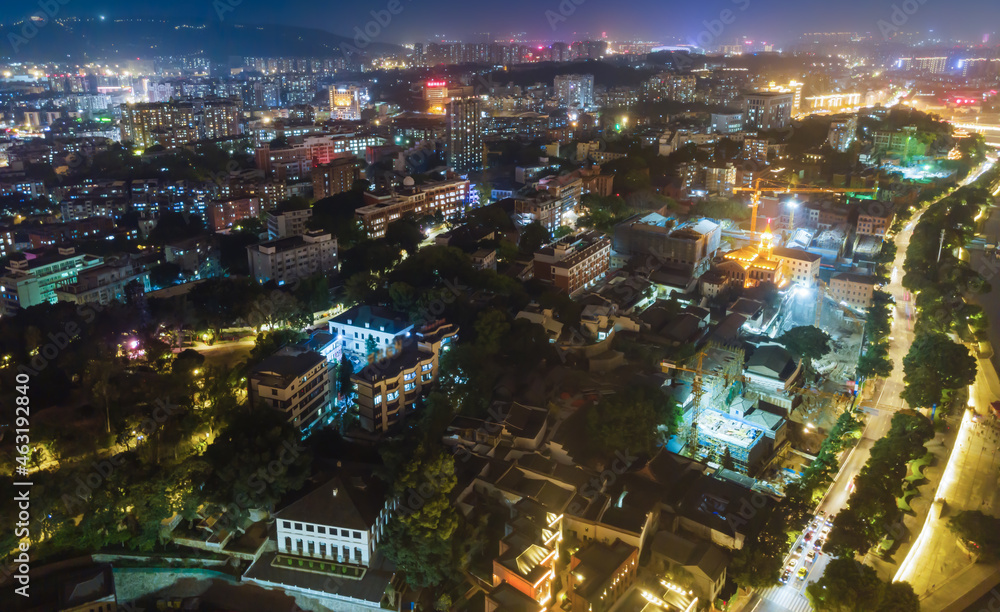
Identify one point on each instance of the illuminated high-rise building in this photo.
(575, 90)
(767, 110)
(346, 102)
(465, 134)
(175, 124)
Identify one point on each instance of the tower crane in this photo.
(698, 390)
(760, 186)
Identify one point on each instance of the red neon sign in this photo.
(436, 83)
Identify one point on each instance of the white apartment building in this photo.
(353, 327)
(341, 521)
(799, 266)
(288, 259)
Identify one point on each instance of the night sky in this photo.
(420, 20)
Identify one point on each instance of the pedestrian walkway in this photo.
(788, 598)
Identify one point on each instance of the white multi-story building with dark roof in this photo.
(356, 325)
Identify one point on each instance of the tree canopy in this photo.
(806, 341)
(933, 365)
(849, 586)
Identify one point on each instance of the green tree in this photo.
(933, 365)
(806, 341)
(533, 237)
(404, 233)
(899, 597)
(846, 586)
(875, 361)
(253, 463)
(420, 537)
(492, 327)
(344, 371)
(635, 420)
(269, 342)
(978, 532)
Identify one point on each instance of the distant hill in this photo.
(86, 40)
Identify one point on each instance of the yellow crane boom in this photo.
(757, 189)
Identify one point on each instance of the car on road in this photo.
(808, 536)
(811, 556)
(818, 544)
(801, 575)
(784, 576)
(798, 552)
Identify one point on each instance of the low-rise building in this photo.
(33, 276)
(106, 282)
(842, 132)
(448, 198)
(798, 266)
(703, 561)
(752, 265)
(335, 177)
(288, 259)
(547, 209)
(574, 262)
(855, 290)
(198, 256)
(225, 213)
(355, 326)
(325, 546)
(296, 381)
(875, 218)
(727, 123)
(342, 520)
(599, 574)
(690, 244)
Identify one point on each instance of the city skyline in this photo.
(565, 20)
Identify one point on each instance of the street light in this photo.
(792, 205)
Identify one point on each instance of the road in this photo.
(885, 403)
(969, 482)
(791, 596)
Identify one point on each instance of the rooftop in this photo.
(373, 317)
(850, 277)
(352, 500)
(280, 369)
(598, 564)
